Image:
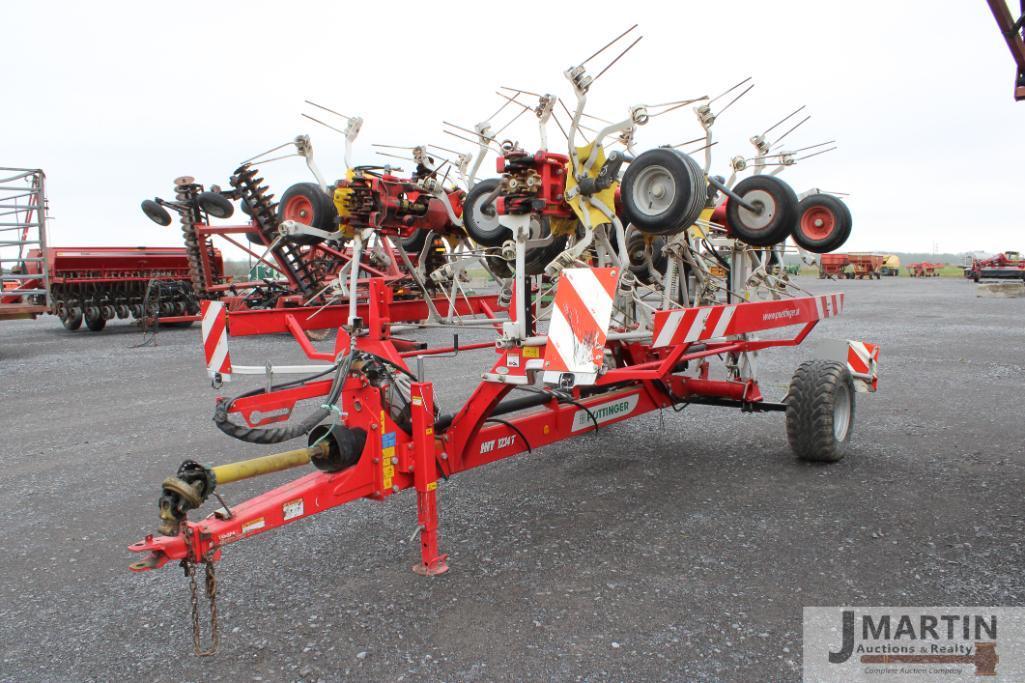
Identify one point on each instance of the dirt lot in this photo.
(675, 550)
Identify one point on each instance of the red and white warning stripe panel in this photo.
(580, 324)
(215, 340)
(688, 325)
(863, 363)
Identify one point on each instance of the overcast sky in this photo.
(114, 100)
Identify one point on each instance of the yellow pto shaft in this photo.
(276, 462)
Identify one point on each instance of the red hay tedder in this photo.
(595, 323)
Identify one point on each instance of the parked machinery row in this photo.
(92, 285)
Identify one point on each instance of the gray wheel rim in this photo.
(841, 412)
(486, 222)
(654, 190)
(762, 200)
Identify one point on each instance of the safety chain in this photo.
(211, 593)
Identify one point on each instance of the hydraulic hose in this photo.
(295, 430)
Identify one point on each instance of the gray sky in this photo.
(114, 100)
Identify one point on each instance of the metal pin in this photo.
(628, 48)
(326, 125)
(499, 110)
(690, 142)
(443, 149)
(525, 92)
(796, 126)
(273, 149)
(395, 156)
(608, 45)
(775, 125)
(511, 121)
(730, 103)
(320, 106)
(728, 91)
(814, 154)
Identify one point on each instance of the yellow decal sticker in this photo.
(433, 485)
(532, 352)
(429, 431)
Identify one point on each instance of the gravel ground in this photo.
(681, 549)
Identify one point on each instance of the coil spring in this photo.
(263, 211)
(185, 192)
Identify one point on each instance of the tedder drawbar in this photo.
(660, 287)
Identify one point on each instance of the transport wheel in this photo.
(480, 221)
(215, 204)
(95, 323)
(537, 258)
(308, 204)
(71, 322)
(639, 249)
(777, 213)
(823, 225)
(413, 244)
(156, 213)
(663, 191)
(820, 411)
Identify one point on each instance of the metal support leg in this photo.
(425, 479)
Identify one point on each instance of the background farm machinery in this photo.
(925, 269)
(84, 284)
(630, 282)
(326, 243)
(1009, 265)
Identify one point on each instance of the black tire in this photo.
(482, 223)
(638, 247)
(820, 411)
(413, 244)
(72, 322)
(663, 191)
(307, 203)
(215, 204)
(779, 211)
(823, 224)
(537, 258)
(95, 323)
(156, 213)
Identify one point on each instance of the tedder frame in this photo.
(380, 455)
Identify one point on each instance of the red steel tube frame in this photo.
(394, 459)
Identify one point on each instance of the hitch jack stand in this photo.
(425, 479)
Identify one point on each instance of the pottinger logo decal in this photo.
(779, 315)
(603, 412)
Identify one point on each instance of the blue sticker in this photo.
(388, 439)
